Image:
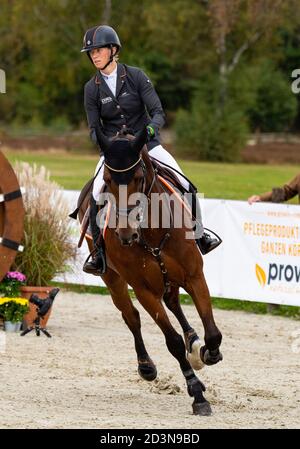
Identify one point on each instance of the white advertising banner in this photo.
(259, 259)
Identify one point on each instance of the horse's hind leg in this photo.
(197, 288)
(119, 293)
(192, 341)
(176, 347)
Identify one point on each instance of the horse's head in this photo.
(124, 174)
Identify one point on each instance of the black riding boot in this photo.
(97, 265)
(206, 242)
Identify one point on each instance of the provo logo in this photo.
(277, 272)
(288, 273)
(2, 82)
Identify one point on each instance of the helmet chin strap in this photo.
(111, 58)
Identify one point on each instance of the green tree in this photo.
(275, 108)
(177, 42)
(202, 133)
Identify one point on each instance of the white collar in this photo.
(111, 75)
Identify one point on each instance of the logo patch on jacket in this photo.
(106, 100)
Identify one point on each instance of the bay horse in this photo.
(155, 263)
(11, 216)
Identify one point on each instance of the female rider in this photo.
(117, 97)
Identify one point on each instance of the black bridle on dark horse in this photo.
(155, 251)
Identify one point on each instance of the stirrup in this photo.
(215, 234)
(96, 270)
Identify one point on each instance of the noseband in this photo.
(124, 169)
(126, 211)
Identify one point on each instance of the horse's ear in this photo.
(140, 140)
(103, 141)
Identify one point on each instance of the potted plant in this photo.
(48, 247)
(13, 310)
(12, 307)
(11, 284)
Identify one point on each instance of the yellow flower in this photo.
(22, 301)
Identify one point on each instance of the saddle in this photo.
(167, 174)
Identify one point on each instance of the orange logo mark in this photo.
(261, 275)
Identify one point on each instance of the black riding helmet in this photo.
(101, 36)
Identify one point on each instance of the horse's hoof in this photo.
(194, 356)
(210, 357)
(147, 371)
(202, 408)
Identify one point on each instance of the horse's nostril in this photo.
(135, 236)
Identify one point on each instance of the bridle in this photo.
(126, 211)
(123, 169)
(155, 251)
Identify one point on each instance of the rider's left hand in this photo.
(150, 131)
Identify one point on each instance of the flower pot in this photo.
(9, 326)
(42, 293)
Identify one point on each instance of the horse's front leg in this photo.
(192, 341)
(119, 292)
(197, 288)
(176, 346)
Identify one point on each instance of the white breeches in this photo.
(158, 152)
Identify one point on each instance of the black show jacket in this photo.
(135, 105)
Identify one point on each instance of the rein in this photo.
(154, 251)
